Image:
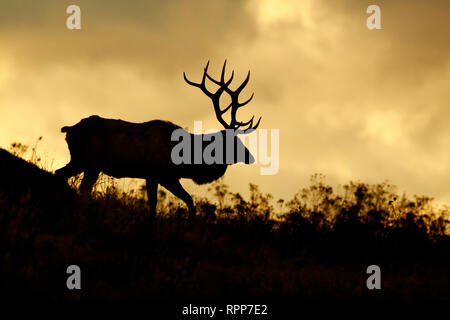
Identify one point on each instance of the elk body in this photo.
(144, 150)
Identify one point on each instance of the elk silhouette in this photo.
(143, 150)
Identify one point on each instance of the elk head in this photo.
(234, 127)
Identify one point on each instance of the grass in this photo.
(316, 245)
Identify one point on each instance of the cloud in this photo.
(351, 103)
(149, 35)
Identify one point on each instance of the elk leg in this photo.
(152, 194)
(89, 179)
(176, 188)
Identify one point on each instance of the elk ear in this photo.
(65, 129)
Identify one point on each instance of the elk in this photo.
(143, 150)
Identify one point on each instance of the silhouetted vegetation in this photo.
(317, 245)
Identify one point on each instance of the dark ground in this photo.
(319, 248)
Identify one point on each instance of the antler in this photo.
(215, 97)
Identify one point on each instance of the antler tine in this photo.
(203, 77)
(235, 105)
(235, 101)
(222, 83)
(189, 81)
(200, 85)
(222, 76)
(205, 73)
(256, 125)
(243, 84)
(248, 100)
(226, 109)
(234, 95)
(250, 124)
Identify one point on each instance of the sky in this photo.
(349, 102)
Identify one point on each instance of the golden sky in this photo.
(350, 103)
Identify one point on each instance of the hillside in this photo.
(319, 245)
